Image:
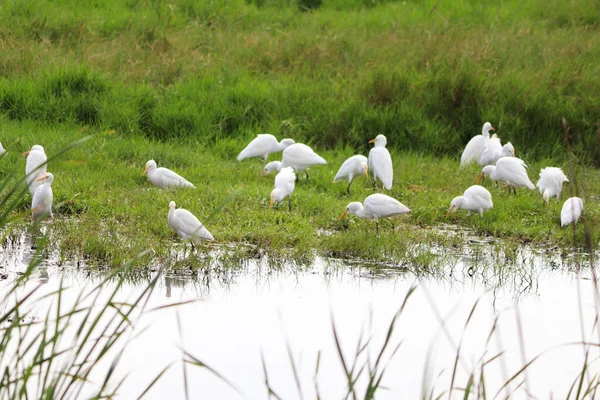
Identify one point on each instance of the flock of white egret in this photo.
(498, 163)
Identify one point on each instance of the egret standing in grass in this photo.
(41, 204)
(300, 157)
(511, 170)
(571, 211)
(263, 145)
(475, 199)
(376, 206)
(551, 183)
(35, 166)
(351, 168)
(284, 186)
(187, 225)
(476, 146)
(380, 163)
(164, 178)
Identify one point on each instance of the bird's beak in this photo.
(271, 205)
(492, 129)
(264, 172)
(513, 152)
(343, 215)
(41, 178)
(367, 172)
(449, 211)
(480, 177)
(372, 141)
(146, 170)
(26, 153)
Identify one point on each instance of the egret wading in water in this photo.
(352, 168)
(263, 145)
(35, 166)
(300, 157)
(380, 163)
(476, 146)
(551, 183)
(165, 178)
(41, 204)
(571, 211)
(511, 170)
(376, 206)
(476, 199)
(284, 186)
(187, 226)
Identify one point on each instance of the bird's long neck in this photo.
(281, 146)
(360, 212)
(486, 133)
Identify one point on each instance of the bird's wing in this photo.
(479, 194)
(259, 146)
(285, 180)
(34, 160)
(170, 178)
(349, 166)
(571, 211)
(473, 150)
(302, 156)
(384, 206)
(381, 165)
(515, 170)
(186, 222)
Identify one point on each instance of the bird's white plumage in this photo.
(380, 162)
(284, 184)
(2, 151)
(35, 166)
(41, 204)
(476, 146)
(475, 199)
(352, 167)
(263, 145)
(511, 170)
(187, 225)
(165, 178)
(376, 206)
(571, 211)
(270, 167)
(495, 151)
(551, 182)
(300, 157)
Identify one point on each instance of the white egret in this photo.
(164, 178)
(263, 145)
(571, 211)
(270, 167)
(35, 166)
(551, 182)
(187, 225)
(495, 151)
(476, 199)
(511, 170)
(476, 145)
(380, 162)
(284, 186)
(376, 206)
(2, 151)
(300, 157)
(351, 168)
(41, 204)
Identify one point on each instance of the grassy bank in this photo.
(426, 74)
(109, 212)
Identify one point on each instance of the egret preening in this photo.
(35, 167)
(376, 206)
(284, 186)
(187, 225)
(41, 204)
(476, 146)
(270, 167)
(380, 162)
(571, 211)
(511, 170)
(263, 145)
(476, 199)
(351, 168)
(551, 182)
(164, 178)
(300, 157)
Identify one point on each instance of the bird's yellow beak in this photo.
(263, 173)
(449, 211)
(26, 153)
(372, 141)
(41, 178)
(343, 215)
(271, 204)
(480, 177)
(513, 152)
(492, 129)
(146, 170)
(366, 172)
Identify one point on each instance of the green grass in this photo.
(108, 212)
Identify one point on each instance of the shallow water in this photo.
(240, 312)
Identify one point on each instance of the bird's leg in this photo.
(290, 203)
(376, 226)
(297, 179)
(307, 177)
(348, 188)
(393, 227)
(193, 248)
(515, 190)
